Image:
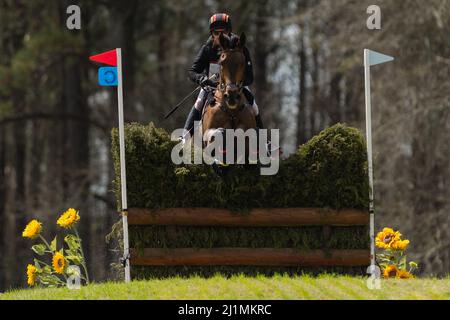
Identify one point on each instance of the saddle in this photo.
(209, 100)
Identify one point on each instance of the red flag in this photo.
(109, 58)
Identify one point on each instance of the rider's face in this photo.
(218, 32)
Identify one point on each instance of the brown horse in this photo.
(230, 109)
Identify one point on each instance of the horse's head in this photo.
(232, 70)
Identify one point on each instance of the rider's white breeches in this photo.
(200, 100)
(255, 108)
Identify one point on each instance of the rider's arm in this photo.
(200, 65)
(248, 68)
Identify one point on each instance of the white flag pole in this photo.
(371, 58)
(123, 176)
(369, 153)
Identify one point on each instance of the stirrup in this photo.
(269, 150)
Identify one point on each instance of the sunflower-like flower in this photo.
(32, 230)
(386, 238)
(59, 262)
(68, 218)
(31, 273)
(390, 271)
(400, 245)
(403, 274)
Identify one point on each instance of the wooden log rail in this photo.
(273, 217)
(249, 257)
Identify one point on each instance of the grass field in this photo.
(246, 288)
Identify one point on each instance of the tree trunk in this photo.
(260, 54)
(315, 103)
(334, 101)
(301, 114)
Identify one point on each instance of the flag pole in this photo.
(123, 177)
(369, 153)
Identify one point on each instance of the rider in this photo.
(207, 60)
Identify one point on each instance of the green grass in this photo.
(243, 288)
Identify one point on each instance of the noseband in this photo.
(231, 86)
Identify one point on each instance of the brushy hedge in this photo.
(329, 171)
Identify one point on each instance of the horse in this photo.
(229, 109)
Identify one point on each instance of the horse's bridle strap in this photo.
(231, 86)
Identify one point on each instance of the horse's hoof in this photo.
(220, 168)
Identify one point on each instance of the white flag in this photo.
(378, 58)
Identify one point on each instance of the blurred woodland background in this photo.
(55, 121)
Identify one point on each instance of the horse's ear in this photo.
(242, 40)
(223, 42)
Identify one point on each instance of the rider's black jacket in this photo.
(207, 55)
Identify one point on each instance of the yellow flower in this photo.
(32, 229)
(31, 273)
(386, 238)
(68, 218)
(400, 245)
(59, 263)
(403, 274)
(390, 271)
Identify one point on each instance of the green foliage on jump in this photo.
(329, 171)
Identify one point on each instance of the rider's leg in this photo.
(258, 119)
(252, 101)
(196, 113)
(259, 124)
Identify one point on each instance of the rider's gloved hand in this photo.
(206, 82)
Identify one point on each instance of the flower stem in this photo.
(82, 255)
(46, 243)
(42, 262)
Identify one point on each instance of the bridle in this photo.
(231, 86)
(223, 87)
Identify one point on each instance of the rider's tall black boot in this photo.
(259, 122)
(193, 116)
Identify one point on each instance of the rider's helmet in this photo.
(220, 21)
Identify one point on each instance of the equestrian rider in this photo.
(206, 64)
